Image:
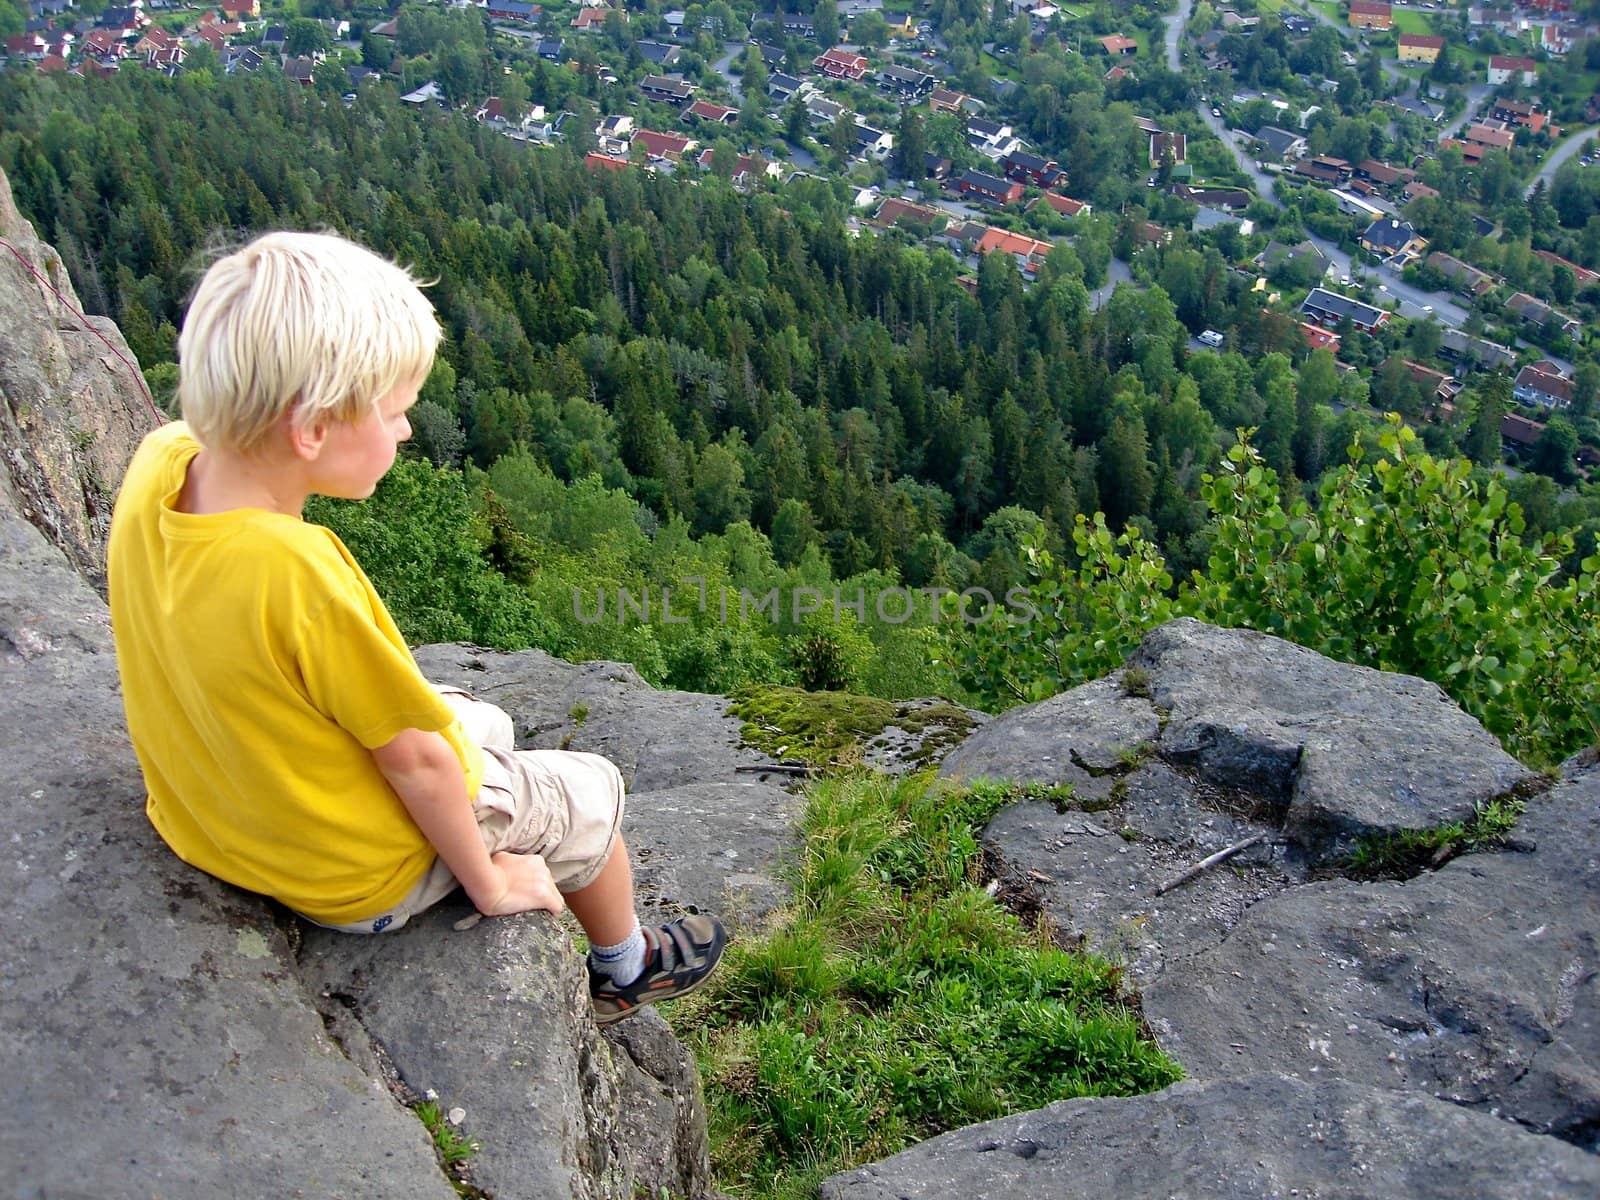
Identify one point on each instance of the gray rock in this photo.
(1342, 751)
(154, 1035)
(494, 1020)
(712, 847)
(69, 422)
(1094, 878)
(1082, 737)
(1476, 983)
(1263, 1136)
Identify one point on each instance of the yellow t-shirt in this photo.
(259, 668)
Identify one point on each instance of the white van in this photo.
(1211, 337)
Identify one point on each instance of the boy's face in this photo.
(356, 454)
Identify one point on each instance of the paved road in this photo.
(731, 51)
(1577, 142)
(1117, 272)
(1175, 24)
(1476, 95)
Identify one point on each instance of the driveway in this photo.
(1573, 145)
(731, 51)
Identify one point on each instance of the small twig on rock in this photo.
(1205, 864)
(783, 768)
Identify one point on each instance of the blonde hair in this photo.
(302, 322)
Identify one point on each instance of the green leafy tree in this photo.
(825, 20)
(1493, 398)
(1407, 563)
(910, 147)
(305, 36)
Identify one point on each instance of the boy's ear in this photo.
(306, 438)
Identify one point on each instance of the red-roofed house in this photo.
(1506, 68)
(1030, 253)
(154, 39)
(1367, 14)
(1489, 137)
(241, 10)
(31, 46)
(1118, 46)
(1419, 47)
(1319, 338)
(840, 64)
(596, 161)
(1162, 144)
(1521, 431)
(670, 146)
(893, 210)
(721, 114)
(1065, 205)
(1543, 384)
(592, 18)
(52, 63)
(748, 169)
(1582, 275)
(103, 42)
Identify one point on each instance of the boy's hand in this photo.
(427, 776)
(527, 887)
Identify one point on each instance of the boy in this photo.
(289, 743)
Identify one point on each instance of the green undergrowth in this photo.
(830, 730)
(454, 1148)
(893, 998)
(1404, 854)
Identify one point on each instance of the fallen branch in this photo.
(782, 768)
(1205, 864)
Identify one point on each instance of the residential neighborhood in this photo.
(1361, 167)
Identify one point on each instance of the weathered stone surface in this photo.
(1081, 737)
(1476, 983)
(67, 423)
(154, 1036)
(1095, 877)
(1264, 1136)
(1345, 751)
(494, 1019)
(712, 847)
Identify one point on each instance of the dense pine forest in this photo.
(652, 381)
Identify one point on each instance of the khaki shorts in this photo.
(562, 805)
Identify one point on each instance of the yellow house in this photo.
(1417, 47)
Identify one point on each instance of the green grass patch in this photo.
(830, 730)
(1404, 854)
(453, 1147)
(894, 999)
(1406, 21)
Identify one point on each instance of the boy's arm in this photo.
(426, 774)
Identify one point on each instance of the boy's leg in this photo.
(568, 808)
(484, 724)
(605, 907)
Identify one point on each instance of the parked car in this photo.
(1211, 337)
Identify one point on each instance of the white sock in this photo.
(624, 962)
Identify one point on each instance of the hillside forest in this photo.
(654, 381)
